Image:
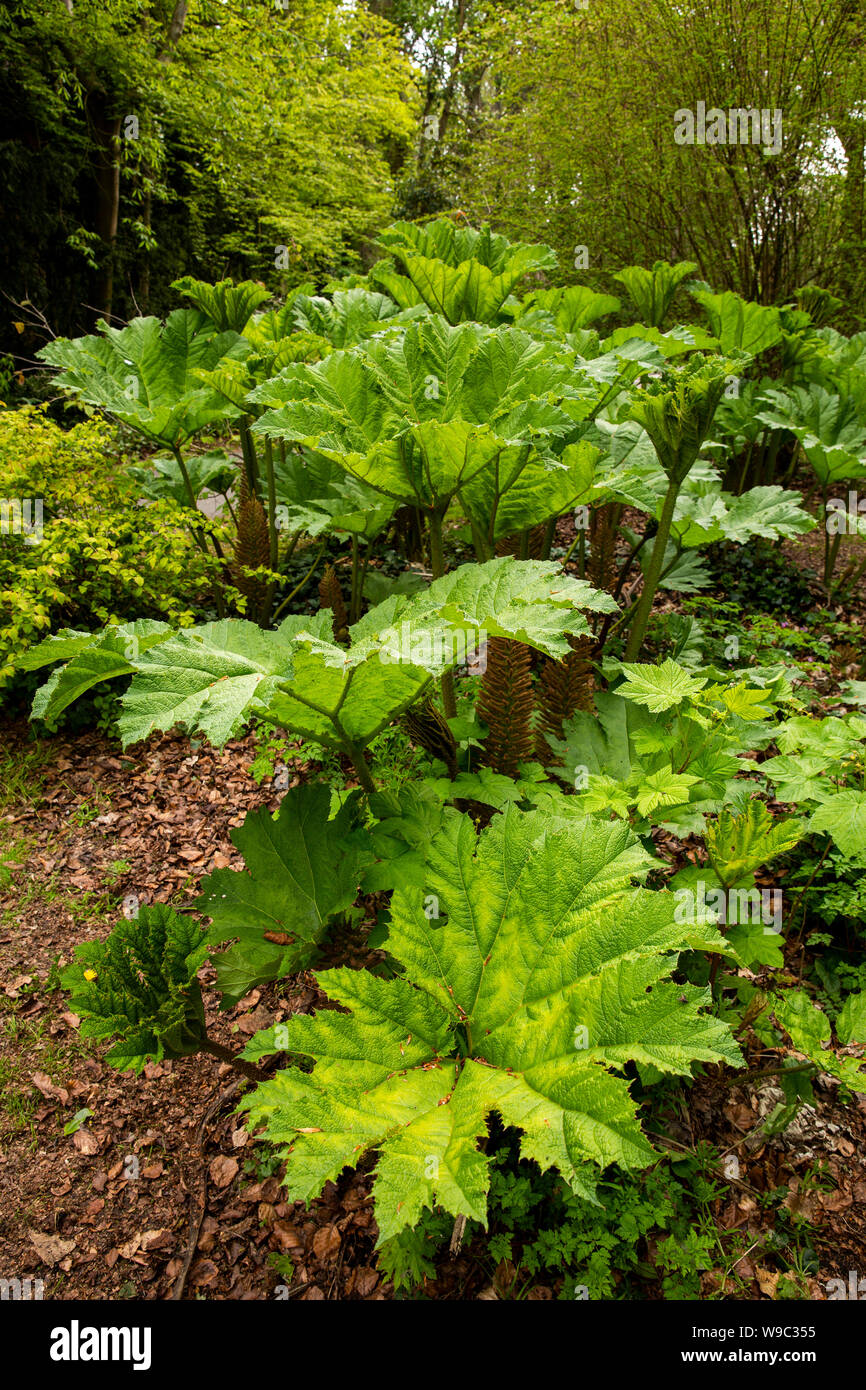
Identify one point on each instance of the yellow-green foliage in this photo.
(102, 557)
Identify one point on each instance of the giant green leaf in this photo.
(139, 987)
(227, 305)
(146, 373)
(738, 324)
(574, 307)
(458, 272)
(652, 291)
(828, 424)
(301, 870)
(541, 974)
(420, 416)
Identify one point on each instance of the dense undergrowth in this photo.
(584, 734)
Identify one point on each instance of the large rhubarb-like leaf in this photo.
(229, 306)
(458, 272)
(652, 291)
(139, 987)
(338, 693)
(538, 976)
(420, 416)
(574, 307)
(738, 324)
(214, 677)
(827, 424)
(146, 373)
(302, 870)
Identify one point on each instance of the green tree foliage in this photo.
(590, 160)
(97, 556)
(242, 136)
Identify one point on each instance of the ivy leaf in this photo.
(660, 687)
(543, 971)
(302, 870)
(843, 817)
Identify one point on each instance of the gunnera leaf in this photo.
(534, 970)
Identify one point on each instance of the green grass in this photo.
(27, 1046)
(22, 775)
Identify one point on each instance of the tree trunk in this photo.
(852, 134)
(106, 130)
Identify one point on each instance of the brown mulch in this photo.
(105, 1212)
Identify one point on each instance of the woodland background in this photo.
(144, 139)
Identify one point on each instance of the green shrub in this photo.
(99, 556)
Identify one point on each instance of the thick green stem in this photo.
(549, 533)
(191, 497)
(437, 565)
(215, 1049)
(437, 562)
(272, 504)
(248, 449)
(355, 595)
(653, 575)
(273, 536)
(359, 763)
(197, 532)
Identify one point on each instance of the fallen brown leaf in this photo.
(222, 1170)
(51, 1249)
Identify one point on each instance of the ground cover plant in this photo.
(460, 671)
